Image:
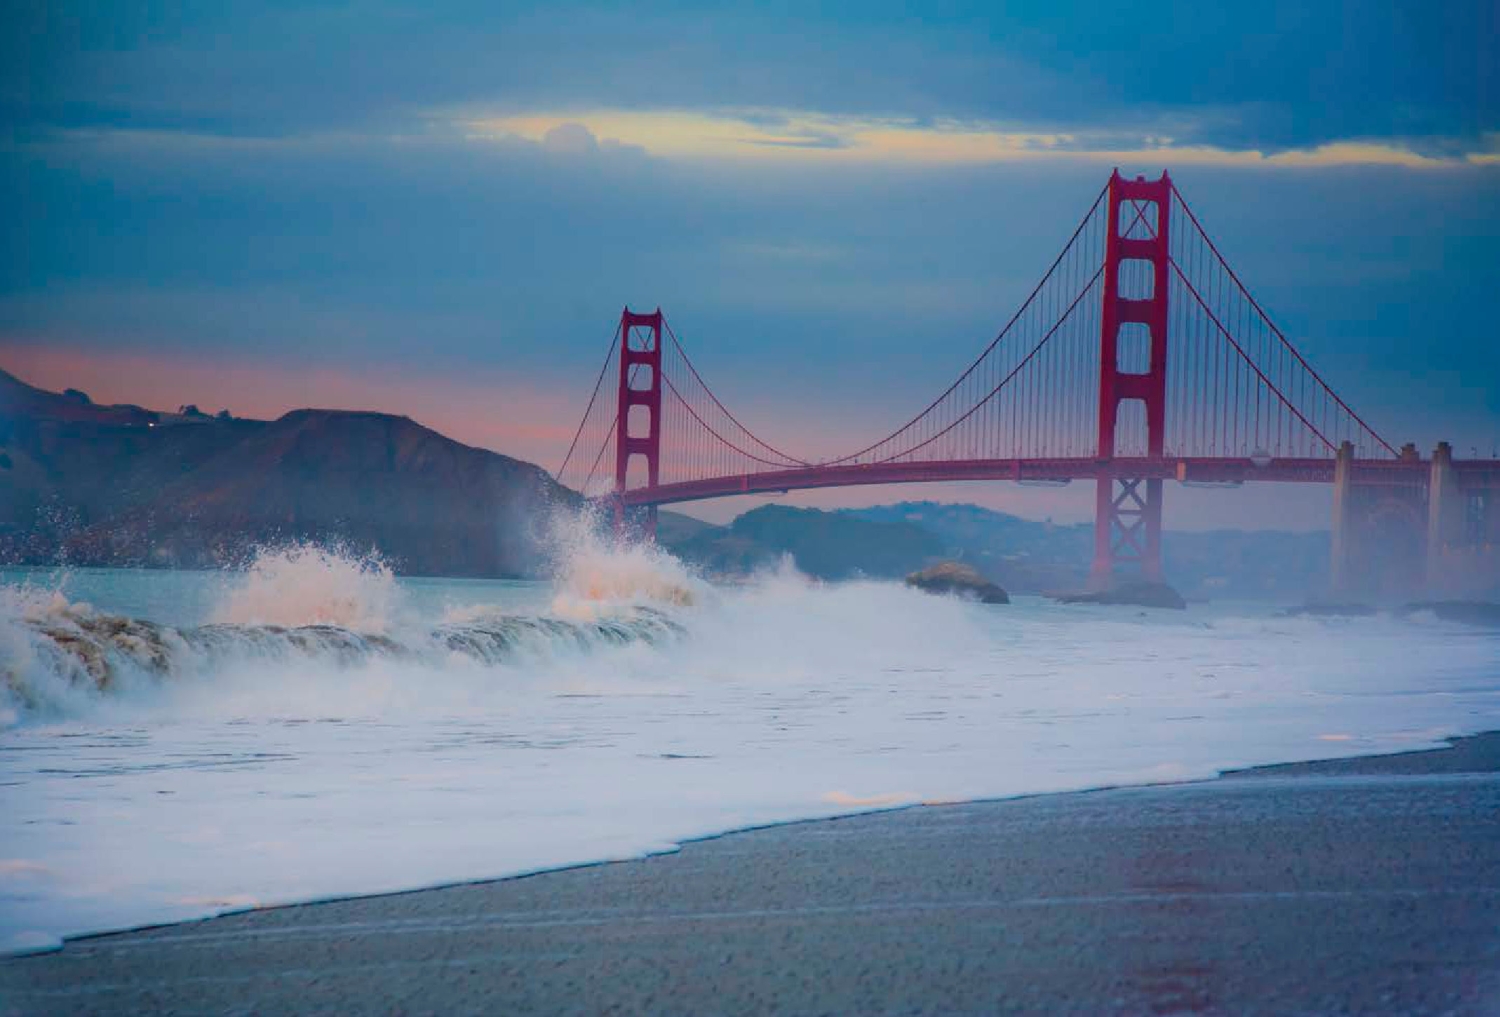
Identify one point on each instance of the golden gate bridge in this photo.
(1140, 357)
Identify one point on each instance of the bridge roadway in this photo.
(1192, 470)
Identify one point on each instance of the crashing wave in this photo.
(593, 574)
(500, 638)
(329, 605)
(82, 649)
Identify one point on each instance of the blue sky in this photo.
(265, 205)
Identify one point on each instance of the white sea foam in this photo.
(306, 584)
(594, 573)
(263, 777)
(307, 607)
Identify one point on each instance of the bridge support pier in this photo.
(1341, 545)
(1127, 530)
(1448, 534)
(1380, 548)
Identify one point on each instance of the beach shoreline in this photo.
(1198, 896)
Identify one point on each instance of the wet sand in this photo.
(1350, 886)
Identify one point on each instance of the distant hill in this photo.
(825, 544)
(18, 399)
(1021, 555)
(96, 485)
(675, 528)
(888, 541)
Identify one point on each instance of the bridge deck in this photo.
(1368, 472)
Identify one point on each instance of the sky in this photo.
(439, 210)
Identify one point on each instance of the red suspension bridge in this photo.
(1140, 357)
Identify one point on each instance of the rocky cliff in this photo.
(96, 485)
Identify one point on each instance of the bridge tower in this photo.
(1127, 520)
(640, 386)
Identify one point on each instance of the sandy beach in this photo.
(1367, 885)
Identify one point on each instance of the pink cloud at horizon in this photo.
(528, 425)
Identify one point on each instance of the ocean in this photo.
(181, 744)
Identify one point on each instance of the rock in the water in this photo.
(964, 580)
(1137, 594)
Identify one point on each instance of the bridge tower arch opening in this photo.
(1127, 521)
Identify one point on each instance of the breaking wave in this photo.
(327, 607)
(307, 584)
(593, 574)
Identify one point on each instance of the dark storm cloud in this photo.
(1267, 76)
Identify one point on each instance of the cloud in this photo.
(810, 135)
(570, 138)
(1278, 76)
(792, 136)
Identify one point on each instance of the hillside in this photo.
(1022, 555)
(889, 541)
(94, 485)
(825, 544)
